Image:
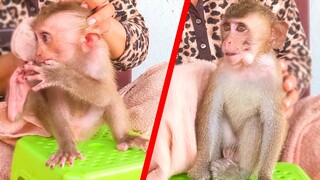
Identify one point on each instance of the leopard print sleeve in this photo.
(295, 51)
(137, 40)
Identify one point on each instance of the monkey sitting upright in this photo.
(245, 92)
(70, 86)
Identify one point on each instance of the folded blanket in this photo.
(303, 140)
(6, 152)
(142, 98)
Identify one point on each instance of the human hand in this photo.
(102, 18)
(110, 29)
(289, 86)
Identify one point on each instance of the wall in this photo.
(315, 45)
(162, 18)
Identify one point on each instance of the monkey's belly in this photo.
(85, 126)
(84, 118)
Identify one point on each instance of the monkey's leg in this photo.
(208, 132)
(117, 118)
(208, 149)
(274, 132)
(58, 126)
(226, 168)
(248, 153)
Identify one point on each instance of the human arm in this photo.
(124, 30)
(295, 54)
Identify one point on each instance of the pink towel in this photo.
(303, 140)
(142, 98)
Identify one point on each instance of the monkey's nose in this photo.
(40, 58)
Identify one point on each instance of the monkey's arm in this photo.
(207, 132)
(76, 83)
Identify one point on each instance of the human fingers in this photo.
(283, 66)
(291, 99)
(101, 16)
(290, 83)
(92, 4)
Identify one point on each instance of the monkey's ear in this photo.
(278, 35)
(90, 41)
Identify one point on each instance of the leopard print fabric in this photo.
(12, 12)
(295, 52)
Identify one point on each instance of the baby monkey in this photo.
(246, 93)
(71, 87)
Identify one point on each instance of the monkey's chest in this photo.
(75, 110)
(241, 101)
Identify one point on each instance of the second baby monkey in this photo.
(245, 92)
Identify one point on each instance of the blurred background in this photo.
(314, 15)
(162, 18)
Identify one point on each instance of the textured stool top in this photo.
(102, 159)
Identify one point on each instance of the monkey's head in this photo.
(249, 29)
(62, 32)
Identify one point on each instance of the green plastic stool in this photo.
(283, 171)
(102, 160)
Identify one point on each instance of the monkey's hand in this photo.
(224, 169)
(199, 172)
(18, 92)
(47, 74)
(66, 154)
(133, 141)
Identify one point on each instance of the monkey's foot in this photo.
(61, 157)
(265, 177)
(133, 141)
(224, 169)
(199, 173)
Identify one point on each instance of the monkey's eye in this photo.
(241, 27)
(226, 27)
(45, 37)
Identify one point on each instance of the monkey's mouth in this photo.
(231, 54)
